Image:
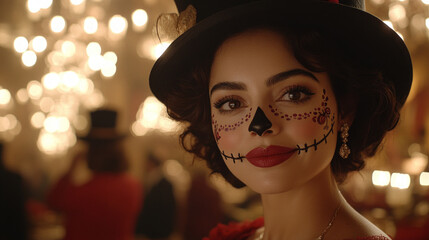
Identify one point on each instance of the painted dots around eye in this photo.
(218, 128)
(319, 114)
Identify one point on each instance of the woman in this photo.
(285, 97)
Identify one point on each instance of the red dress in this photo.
(105, 208)
(242, 231)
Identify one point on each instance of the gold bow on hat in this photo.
(170, 26)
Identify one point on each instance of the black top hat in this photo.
(103, 126)
(346, 18)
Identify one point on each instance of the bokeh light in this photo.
(47, 104)
(90, 25)
(20, 44)
(12, 121)
(4, 124)
(39, 44)
(379, 2)
(138, 129)
(139, 18)
(51, 80)
(69, 80)
(424, 179)
(95, 62)
(400, 180)
(108, 69)
(55, 143)
(37, 119)
(53, 124)
(111, 57)
(29, 58)
(22, 95)
(77, 2)
(34, 6)
(158, 50)
(173, 167)
(93, 49)
(45, 4)
(380, 178)
(34, 89)
(80, 123)
(94, 100)
(68, 48)
(397, 12)
(85, 86)
(5, 96)
(58, 24)
(56, 58)
(152, 115)
(118, 24)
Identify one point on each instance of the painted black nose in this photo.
(260, 122)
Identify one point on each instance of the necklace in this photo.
(325, 231)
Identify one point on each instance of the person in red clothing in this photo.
(286, 97)
(105, 206)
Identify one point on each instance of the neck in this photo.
(303, 212)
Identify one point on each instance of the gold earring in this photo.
(344, 149)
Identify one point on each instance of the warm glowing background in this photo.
(61, 59)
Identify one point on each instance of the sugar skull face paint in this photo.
(255, 72)
(228, 127)
(260, 123)
(320, 114)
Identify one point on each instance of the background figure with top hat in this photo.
(106, 204)
(285, 97)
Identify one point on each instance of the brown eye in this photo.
(233, 104)
(294, 96)
(228, 104)
(297, 94)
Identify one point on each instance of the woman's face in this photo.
(275, 122)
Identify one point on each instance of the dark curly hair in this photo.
(359, 85)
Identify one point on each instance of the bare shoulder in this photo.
(350, 225)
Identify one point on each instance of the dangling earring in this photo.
(344, 149)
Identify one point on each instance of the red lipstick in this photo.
(270, 156)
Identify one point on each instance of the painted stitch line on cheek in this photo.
(239, 157)
(306, 147)
(218, 128)
(298, 148)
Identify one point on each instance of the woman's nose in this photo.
(260, 123)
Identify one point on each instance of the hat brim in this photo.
(375, 40)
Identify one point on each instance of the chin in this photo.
(272, 186)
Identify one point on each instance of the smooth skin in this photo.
(300, 195)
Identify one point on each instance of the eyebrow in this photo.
(270, 81)
(228, 86)
(288, 74)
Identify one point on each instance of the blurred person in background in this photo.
(105, 206)
(157, 217)
(14, 224)
(203, 207)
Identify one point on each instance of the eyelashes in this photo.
(295, 94)
(228, 103)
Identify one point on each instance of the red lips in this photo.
(270, 156)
